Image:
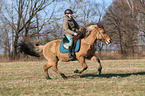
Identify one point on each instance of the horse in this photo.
(51, 50)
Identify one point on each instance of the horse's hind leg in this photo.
(55, 69)
(46, 67)
(52, 63)
(95, 58)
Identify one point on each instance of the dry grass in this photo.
(119, 78)
(116, 56)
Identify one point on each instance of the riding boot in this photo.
(70, 53)
(73, 53)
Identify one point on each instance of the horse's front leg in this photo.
(84, 65)
(95, 58)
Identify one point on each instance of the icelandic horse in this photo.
(51, 50)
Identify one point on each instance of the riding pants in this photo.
(70, 39)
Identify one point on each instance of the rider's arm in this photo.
(66, 28)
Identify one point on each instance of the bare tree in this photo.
(24, 17)
(121, 24)
(43, 20)
(137, 7)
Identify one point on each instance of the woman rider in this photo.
(70, 27)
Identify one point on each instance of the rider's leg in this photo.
(70, 47)
(73, 49)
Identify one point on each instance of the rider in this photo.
(70, 27)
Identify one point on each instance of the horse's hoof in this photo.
(76, 71)
(99, 72)
(63, 76)
(48, 78)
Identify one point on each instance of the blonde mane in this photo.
(91, 26)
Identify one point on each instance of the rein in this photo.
(81, 33)
(101, 35)
(98, 36)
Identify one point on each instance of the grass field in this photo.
(119, 78)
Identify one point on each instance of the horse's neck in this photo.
(90, 39)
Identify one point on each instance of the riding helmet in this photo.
(68, 11)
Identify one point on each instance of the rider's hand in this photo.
(75, 34)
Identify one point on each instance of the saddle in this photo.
(65, 45)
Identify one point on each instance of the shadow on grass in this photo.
(109, 75)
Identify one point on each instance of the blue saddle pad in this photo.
(64, 48)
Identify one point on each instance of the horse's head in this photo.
(99, 32)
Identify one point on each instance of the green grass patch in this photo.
(118, 78)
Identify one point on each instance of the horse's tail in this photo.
(30, 48)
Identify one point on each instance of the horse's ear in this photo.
(100, 25)
(36, 43)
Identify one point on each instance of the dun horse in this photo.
(51, 50)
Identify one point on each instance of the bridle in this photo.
(98, 36)
(101, 34)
